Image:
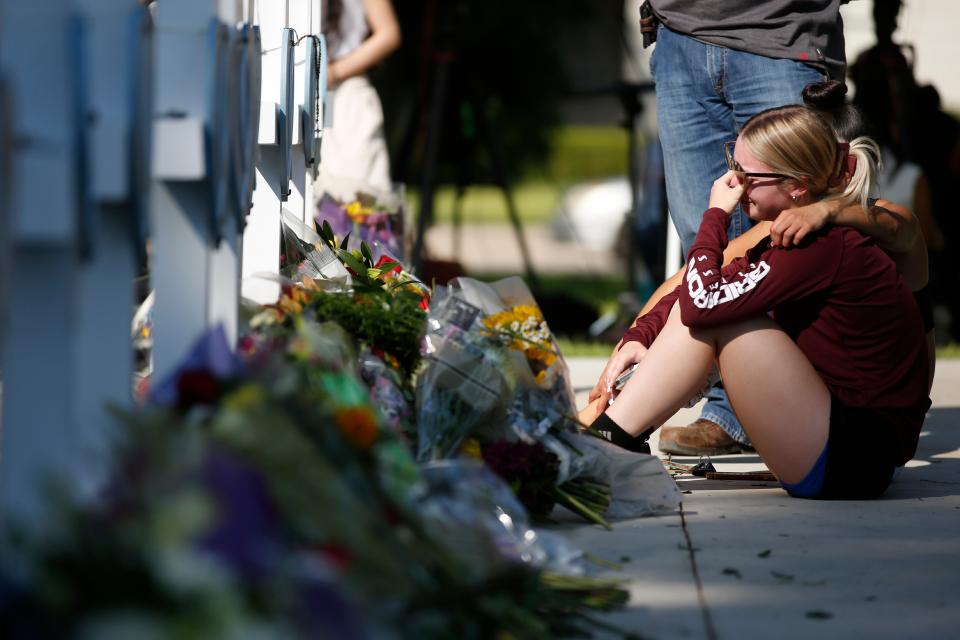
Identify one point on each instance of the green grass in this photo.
(599, 291)
(582, 349)
(951, 350)
(535, 199)
(579, 154)
(587, 153)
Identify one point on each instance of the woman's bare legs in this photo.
(775, 391)
(673, 369)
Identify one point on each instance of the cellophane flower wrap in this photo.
(304, 253)
(496, 387)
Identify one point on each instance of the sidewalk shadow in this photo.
(934, 471)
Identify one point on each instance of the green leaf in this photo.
(400, 283)
(365, 250)
(346, 238)
(348, 259)
(326, 231)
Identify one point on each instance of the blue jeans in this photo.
(705, 94)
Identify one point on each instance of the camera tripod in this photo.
(444, 84)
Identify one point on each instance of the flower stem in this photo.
(580, 508)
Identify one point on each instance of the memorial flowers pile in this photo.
(365, 465)
(266, 497)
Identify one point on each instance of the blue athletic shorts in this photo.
(858, 461)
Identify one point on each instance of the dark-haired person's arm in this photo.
(384, 38)
(893, 227)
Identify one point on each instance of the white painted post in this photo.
(187, 221)
(285, 169)
(305, 21)
(226, 257)
(674, 254)
(39, 60)
(261, 238)
(118, 53)
(6, 246)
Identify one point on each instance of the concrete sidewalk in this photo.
(743, 560)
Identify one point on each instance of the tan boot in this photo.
(701, 438)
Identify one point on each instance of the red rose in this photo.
(197, 386)
(384, 259)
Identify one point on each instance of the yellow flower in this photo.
(358, 425)
(471, 448)
(357, 212)
(245, 398)
(290, 305)
(292, 302)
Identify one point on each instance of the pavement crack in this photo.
(707, 618)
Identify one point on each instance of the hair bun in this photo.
(829, 95)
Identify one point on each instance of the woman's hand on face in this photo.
(793, 225)
(628, 355)
(726, 192)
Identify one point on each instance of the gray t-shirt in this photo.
(806, 30)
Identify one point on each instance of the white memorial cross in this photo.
(117, 50)
(6, 178)
(196, 216)
(39, 426)
(284, 176)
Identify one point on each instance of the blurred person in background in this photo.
(920, 144)
(360, 34)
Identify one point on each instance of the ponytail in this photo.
(797, 142)
(862, 183)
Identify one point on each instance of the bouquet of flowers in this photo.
(364, 214)
(495, 387)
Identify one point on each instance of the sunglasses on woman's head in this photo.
(738, 171)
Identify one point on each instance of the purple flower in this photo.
(246, 536)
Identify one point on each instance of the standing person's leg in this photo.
(752, 84)
(693, 123)
(784, 405)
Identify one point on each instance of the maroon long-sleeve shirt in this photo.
(838, 296)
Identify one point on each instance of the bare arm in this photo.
(910, 257)
(383, 40)
(893, 227)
